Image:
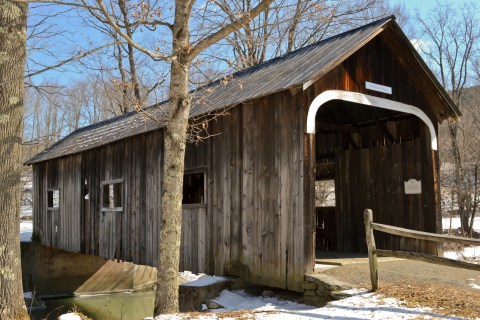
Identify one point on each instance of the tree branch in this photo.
(74, 58)
(114, 25)
(223, 32)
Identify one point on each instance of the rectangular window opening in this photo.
(325, 193)
(53, 199)
(194, 188)
(112, 194)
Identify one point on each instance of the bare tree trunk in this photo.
(166, 296)
(459, 177)
(12, 63)
(131, 58)
(118, 55)
(475, 199)
(175, 136)
(293, 26)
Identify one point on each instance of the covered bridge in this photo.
(359, 110)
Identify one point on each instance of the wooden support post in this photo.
(372, 255)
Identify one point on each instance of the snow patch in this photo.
(26, 211)
(363, 305)
(26, 230)
(468, 253)
(456, 223)
(188, 276)
(475, 286)
(204, 281)
(70, 316)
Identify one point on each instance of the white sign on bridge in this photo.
(413, 186)
(378, 87)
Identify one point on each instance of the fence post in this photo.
(372, 255)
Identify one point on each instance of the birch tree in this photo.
(13, 16)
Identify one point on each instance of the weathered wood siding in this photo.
(374, 178)
(80, 224)
(195, 239)
(130, 234)
(59, 227)
(255, 192)
(252, 224)
(372, 160)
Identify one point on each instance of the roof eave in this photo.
(347, 55)
(455, 111)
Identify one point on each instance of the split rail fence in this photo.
(373, 252)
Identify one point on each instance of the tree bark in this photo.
(459, 177)
(12, 63)
(166, 296)
(131, 57)
(175, 137)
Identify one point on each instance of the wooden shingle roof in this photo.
(297, 68)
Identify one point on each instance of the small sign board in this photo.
(378, 87)
(413, 186)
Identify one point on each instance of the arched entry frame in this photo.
(367, 100)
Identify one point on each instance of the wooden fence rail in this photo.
(373, 252)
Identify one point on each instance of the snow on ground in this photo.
(188, 276)
(70, 316)
(26, 229)
(205, 281)
(466, 253)
(362, 305)
(456, 223)
(473, 284)
(26, 211)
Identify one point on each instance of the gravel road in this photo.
(396, 270)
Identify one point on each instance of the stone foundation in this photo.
(320, 288)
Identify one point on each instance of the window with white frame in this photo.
(112, 195)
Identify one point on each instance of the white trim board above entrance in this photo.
(367, 100)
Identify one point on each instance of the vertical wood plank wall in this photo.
(194, 251)
(255, 191)
(130, 234)
(252, 224)
(60, 226)
(373, 178)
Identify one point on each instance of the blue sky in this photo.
(77, 39)
(412, 5)
(423, 5)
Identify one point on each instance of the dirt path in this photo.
(448, 290)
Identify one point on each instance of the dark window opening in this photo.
(194, 188)
(112, 195)
(53, 199)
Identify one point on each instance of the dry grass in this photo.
(443, 299)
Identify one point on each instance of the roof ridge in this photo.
(292, 53)
(129, 127)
